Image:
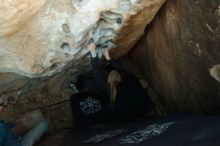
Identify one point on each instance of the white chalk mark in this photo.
(210, 28)
(146, 133)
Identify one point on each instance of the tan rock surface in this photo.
(39, 38)
(179, 56)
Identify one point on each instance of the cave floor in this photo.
(175, 129)
(55, 139)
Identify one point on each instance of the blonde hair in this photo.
(114, 78)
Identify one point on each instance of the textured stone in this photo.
(42, 45)
(40, 38)
(215, 72)
(179, 55)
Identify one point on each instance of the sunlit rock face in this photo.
(39, 38)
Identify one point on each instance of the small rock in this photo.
(215, 72)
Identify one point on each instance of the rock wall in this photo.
(41, 38)
(179, 55)
(42, 48)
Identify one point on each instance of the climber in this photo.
(90, 104)
(128, 99)
(16, 134)
(93, 105)
(96, 82)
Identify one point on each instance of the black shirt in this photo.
(131, 99)
(92, 107)
(89, 108)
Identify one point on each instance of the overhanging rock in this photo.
(40, 38)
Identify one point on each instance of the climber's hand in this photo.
(92, 48)
(106, 54)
